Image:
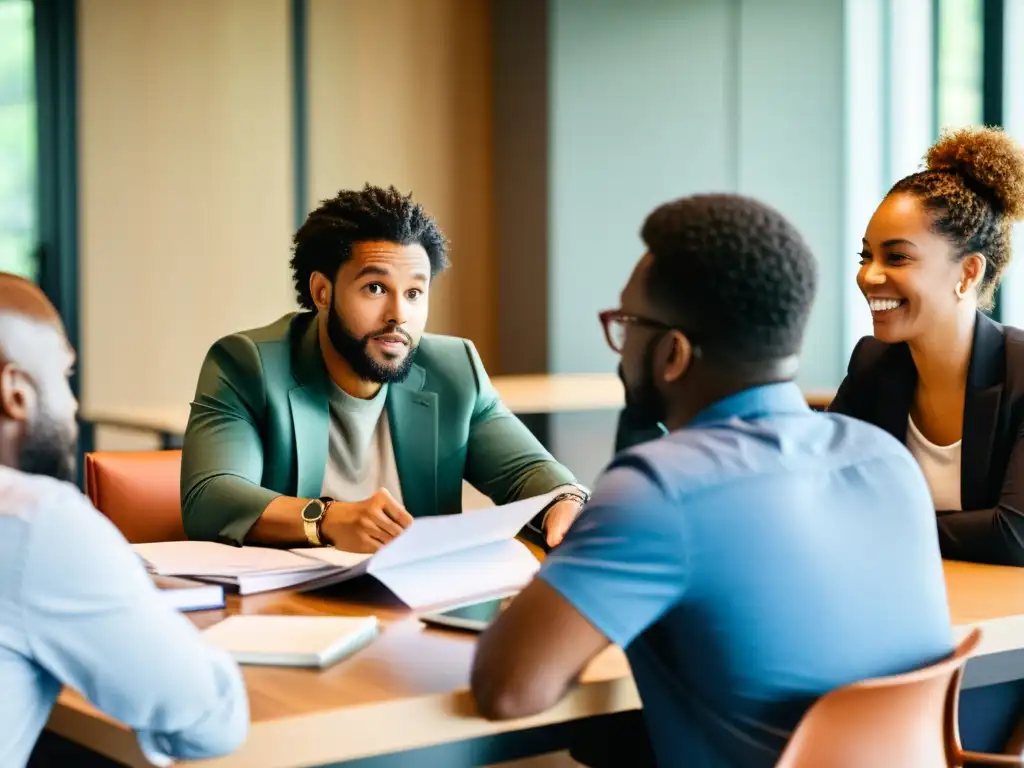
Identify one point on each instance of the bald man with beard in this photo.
(76, 607)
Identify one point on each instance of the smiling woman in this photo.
(942, 377)
(939, 374)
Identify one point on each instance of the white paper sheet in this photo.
(429, 537)
(442, 559)
(332, 556)
(207, 558)
(457, 576)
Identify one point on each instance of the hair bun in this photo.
(986, 158)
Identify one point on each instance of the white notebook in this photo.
(292, 641)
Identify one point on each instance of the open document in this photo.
(437, 560)
(450, 558)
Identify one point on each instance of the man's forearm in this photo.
(360, 526)
(222, 507)
(280, 524)
(220, 730)
(131, 655)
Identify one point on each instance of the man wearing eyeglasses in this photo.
(756, 556)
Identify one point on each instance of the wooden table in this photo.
(409, 689)
(991, 597)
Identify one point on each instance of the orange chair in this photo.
(819, 400)
(903, 720)
(139, 491)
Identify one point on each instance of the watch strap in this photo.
(312, 528)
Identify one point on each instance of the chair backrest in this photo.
(907, 719)
(139, 491)
(819, 400)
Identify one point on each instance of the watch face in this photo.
(312, 511)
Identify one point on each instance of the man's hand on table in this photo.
(559, 518)
(364, 526)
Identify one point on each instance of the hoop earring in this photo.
(959, 290)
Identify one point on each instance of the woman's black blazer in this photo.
(879, 388)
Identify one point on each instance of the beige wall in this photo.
(186, 167)
(400, 93)
(186, 187)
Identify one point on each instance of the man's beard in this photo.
(645, 406)
(354, 351)
(49, 449)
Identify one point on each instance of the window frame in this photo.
(56, 58)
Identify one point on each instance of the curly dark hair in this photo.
(733, 273)
(324, 241)
(973, 186)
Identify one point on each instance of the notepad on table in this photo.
(292, 641)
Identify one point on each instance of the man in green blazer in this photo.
(339, 424)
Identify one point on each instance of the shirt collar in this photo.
(767, 399)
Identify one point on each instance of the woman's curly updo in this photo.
(973, 185)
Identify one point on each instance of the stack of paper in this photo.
(247, 569)
(435, 561)
(292, 641)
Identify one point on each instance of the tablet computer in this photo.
(471, 617)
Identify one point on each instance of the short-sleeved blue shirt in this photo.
(750, 563)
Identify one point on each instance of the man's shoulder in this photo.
(43, 508)
(24, 495)
(449, 357)
(855, 441)
(701, 458)
(673, 466)
(440, 348)
(450, 365)
(256, 353)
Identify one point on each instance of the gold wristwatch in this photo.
(313, 518)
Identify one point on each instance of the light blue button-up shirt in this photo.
(78, 609)
(752, 562)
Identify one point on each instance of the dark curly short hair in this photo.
(973, 186)
(324, 241)
(733, 274)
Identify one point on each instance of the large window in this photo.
(890, 119)
(1012, 299)
(959, 63)
(18, 150)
